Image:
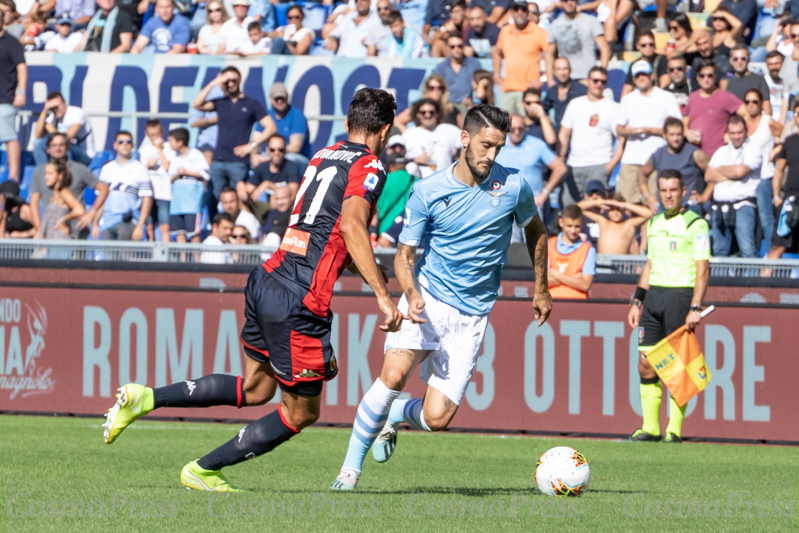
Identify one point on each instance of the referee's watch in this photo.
(696, 308)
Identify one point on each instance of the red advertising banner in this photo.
(67, 350)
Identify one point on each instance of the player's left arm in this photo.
(700, 240)
(536, 237)
(355, 230)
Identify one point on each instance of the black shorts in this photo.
(790, 242)
(188, 225)
(280, 330)
(665, 310)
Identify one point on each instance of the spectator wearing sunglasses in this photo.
(518, 57)
(458, 69)
(706, 49)
(292, 39)
(745, 80)
(679, 84)
(131, 194)
(645, 43)
(586, 134)
(240, 235)
(708, 108)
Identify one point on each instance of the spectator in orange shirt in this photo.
(520, 44)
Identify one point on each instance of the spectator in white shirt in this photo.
(64, 40)
(292, 39)
(131, 195)
(213, 35)
(351, 30)
(256, 43)
(431, 145)
(236, 27)
(221, 228)
(643, 113)
(68, 119)
(157, 157)
(587, 129)
(189, 172)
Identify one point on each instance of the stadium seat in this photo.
(315, 15)
(3, 173)
(100, 159)
(89, 196)
(27, 160)
(280, 14)
(25, 186)
(3, 158)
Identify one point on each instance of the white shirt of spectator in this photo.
(249, 221)
(738, 191)
(290, 33)
(764, 141)
(193, 161)
(56, 43)
(235, 34)
(247, 47)
(593, 126)
(351, 36)
(76, 115)
(377, 38)
(650, 111)
(440, 144)
(162, 185)
(24, 7)
(216, 258)
(129, 179)
(778, 92)
(212, 40)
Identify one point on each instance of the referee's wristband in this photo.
(639, 294)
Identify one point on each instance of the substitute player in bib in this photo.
(465, 214)
(670, 290)
(286, 335)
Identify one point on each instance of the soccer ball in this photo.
(562, 471)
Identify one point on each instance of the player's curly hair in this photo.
(370, 110)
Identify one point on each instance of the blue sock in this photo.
(410, 412)
(371, 416)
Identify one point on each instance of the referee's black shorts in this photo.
(665, 310)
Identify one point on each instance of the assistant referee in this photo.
(670, 291)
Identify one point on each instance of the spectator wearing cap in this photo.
(586, 133)
(292, 39)
(110, 30)
(391, 205)
(70, 120)
(348, 32)
(482, 37)
(80, 12)
(13, 81)
(164, 33)
(575, 35)
(236, 28)
(291, 124)
(563, 91)
(458, 70)
(744, 79)
(237, 113)
(706, 113)
(400, 42)
(519, 47)
(643, 113)
(64, 40)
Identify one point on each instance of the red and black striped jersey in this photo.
(313, 254)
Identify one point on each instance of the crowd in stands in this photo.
(689, 102)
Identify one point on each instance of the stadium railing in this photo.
(723, 267)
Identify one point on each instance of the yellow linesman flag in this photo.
(679, 363)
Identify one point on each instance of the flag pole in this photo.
(707, 311)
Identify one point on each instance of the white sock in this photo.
(370, 419)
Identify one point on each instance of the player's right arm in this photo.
(355, 230)
(536, 237)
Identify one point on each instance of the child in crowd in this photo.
(572, 261)
(156, 157)
(188, 171)
(258, 44)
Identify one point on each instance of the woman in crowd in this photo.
(726, 30)
(63, 205)
(435, 88)
(240, 236)
(762, 130)
(292, 39)
(16, 217)
(212, 37)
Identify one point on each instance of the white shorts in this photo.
(454, 339)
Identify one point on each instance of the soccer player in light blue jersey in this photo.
(465, 214)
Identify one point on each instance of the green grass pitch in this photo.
(56, 469)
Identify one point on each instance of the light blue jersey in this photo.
(466, 231)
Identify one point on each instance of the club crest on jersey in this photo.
(370, 182)
(495, 196)
(496, 185)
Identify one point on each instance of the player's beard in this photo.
(471, 162)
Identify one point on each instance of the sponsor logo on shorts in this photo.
(296, 241)
(307, 374)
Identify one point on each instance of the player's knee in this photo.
(437, 423)
(259, 392)
(301, 418)
(393, 378)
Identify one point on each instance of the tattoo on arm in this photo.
(406, 255)
(536, 235)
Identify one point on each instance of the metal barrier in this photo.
(722, 267)
(147, 252)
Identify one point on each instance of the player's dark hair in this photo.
(153, 123)
(673, 122)
(572, 212)
(707, 63)
(180, 134)
(231, 68)
(55, 94)
(486, 116)
(736, 120)
(392, 17)
(220, 217)
(670, 174)
(775, 53)
(56, 134)
(226, 189)
(370, 110)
